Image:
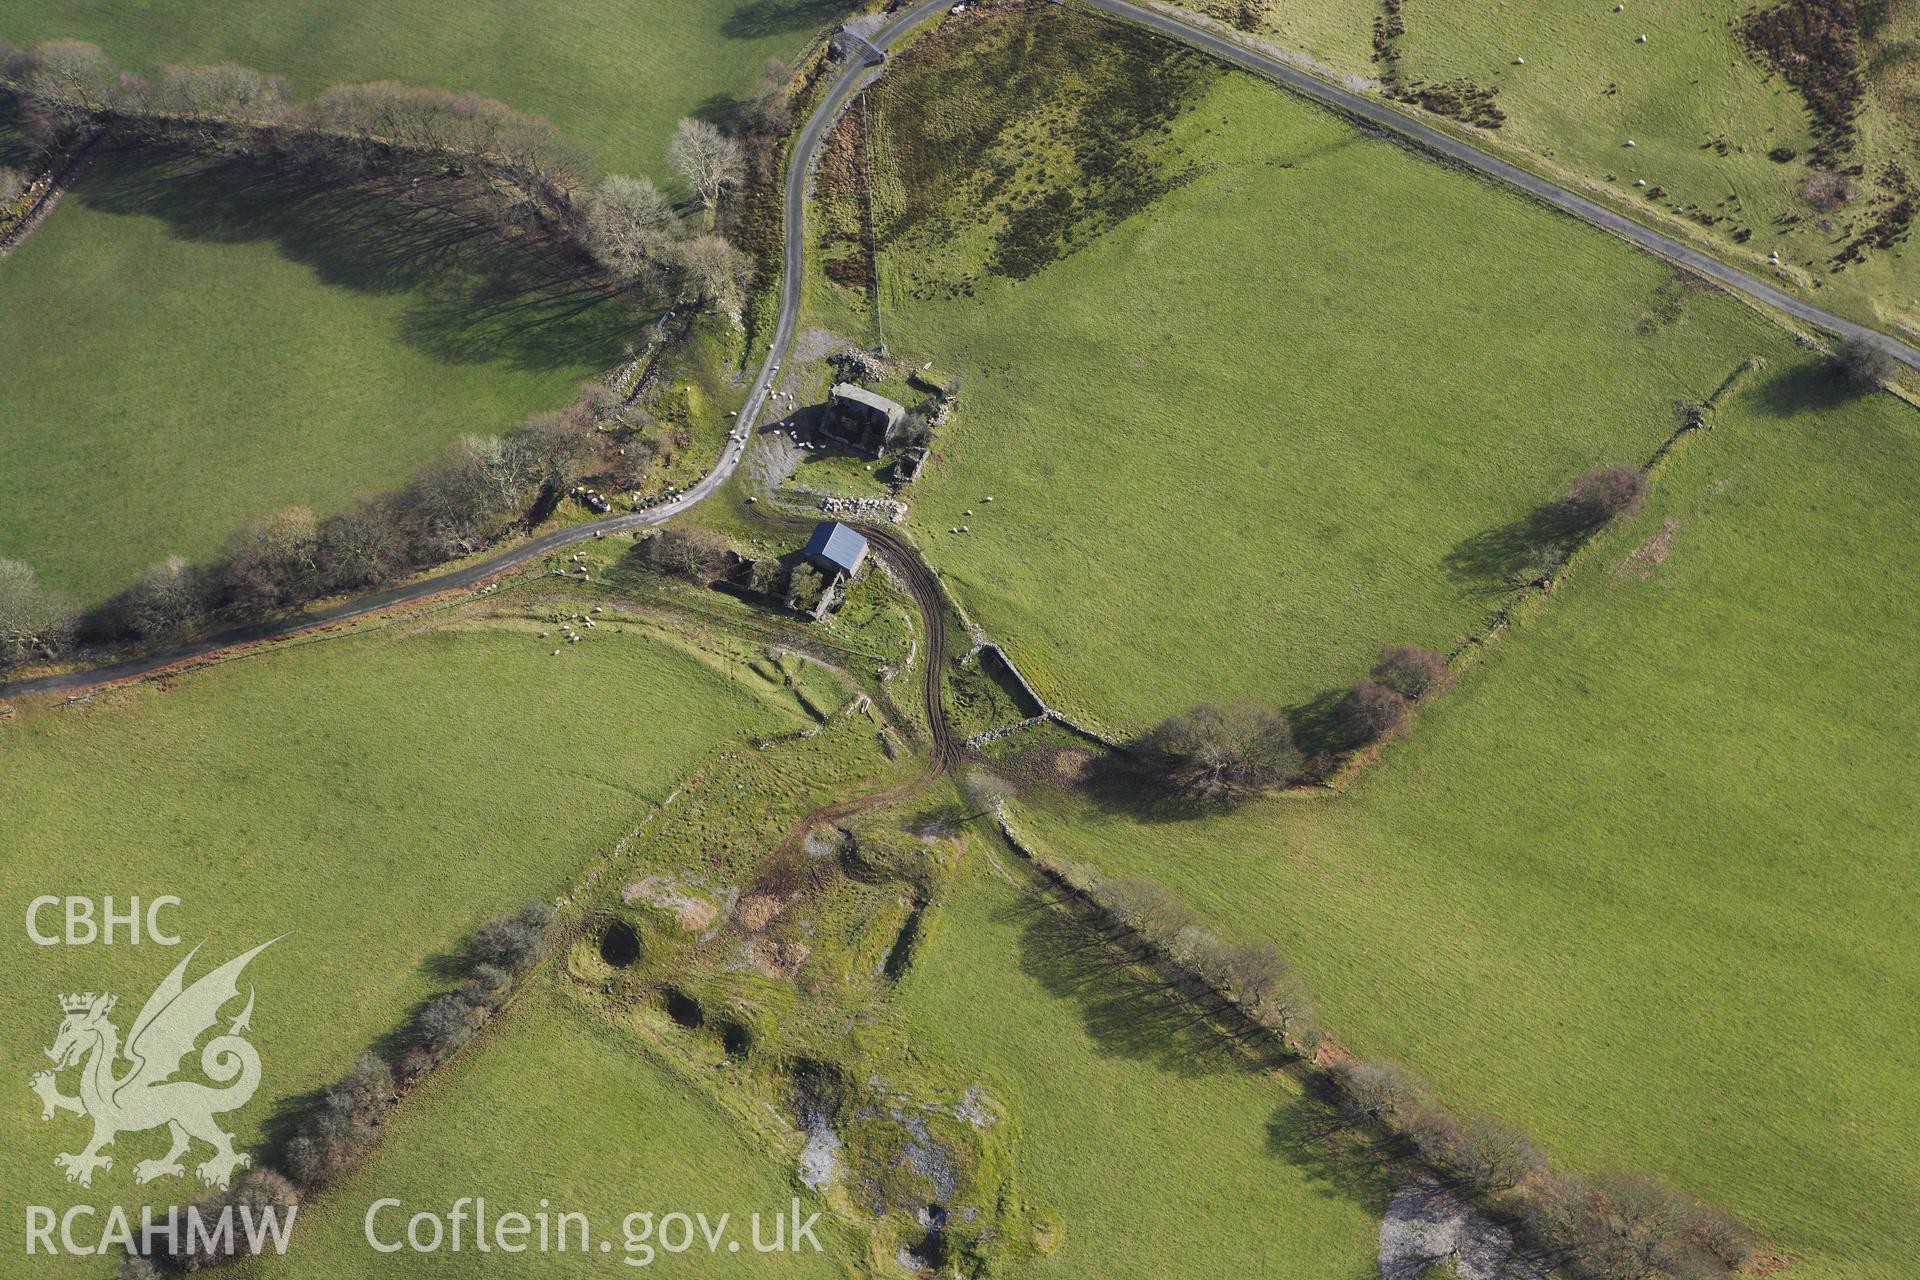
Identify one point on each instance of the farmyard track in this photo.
(805, 149)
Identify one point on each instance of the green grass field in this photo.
(1588, 87)
(563, 1104)
(1644, 882)
(372, 797)
(1155, 1155)
(1702, 113)
(182, 348)
(1241, 439)
(617, 76)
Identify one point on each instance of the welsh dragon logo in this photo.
(145, 1095)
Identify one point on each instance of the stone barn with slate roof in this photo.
(864, 417)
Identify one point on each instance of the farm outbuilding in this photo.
(864, 416)
(835, 549)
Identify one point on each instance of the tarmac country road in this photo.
(856, 75)
(1388, 119)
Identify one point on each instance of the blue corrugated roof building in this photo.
(836, 549)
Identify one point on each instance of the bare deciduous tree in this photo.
(1484, 1153)
(70, 80)
(986, 792)
(1219, 753)
(165, 600)
(13, 185)
(269, 562)
(689, 550)
(1379, 1092)
(707, 158)
(717, 270)
(1603, 494)
(1371, 713)
(630, 227)
(1862, 365)
(1147, 907)
(223, 92)
(34, 622)
(1412, 672)
(362, 546)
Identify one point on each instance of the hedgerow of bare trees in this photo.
(521, 170)
(1611, 1227)
(13, 184)
(1608, 1227)
(1219, 754)
(453, 505)
(336, 1135)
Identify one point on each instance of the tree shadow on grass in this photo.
(1802, 387)
(1134, 1015)
(1127, 1011)
(1486, 563)
(471, 299)
(760, 18)
(1305, 1131)
(722, 110)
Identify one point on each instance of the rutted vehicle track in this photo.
(905, 560)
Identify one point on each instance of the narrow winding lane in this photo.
(850, 80)
(1389, 120)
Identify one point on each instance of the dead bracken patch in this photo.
(692, 914)
(1815, 45)
(1651, 554)
(777, 959)
(756, 911)
(1058, 766)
